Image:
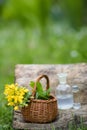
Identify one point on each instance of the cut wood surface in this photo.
(62, 121)
(77, 75)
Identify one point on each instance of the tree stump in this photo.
(77, 75)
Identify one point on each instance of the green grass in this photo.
(24, 45)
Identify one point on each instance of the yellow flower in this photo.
(15, 99)
(16, 108)
(10, 104)
(15, 95)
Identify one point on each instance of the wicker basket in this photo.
(40, 111)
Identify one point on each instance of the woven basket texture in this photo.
(41, 111)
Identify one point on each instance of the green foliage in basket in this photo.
(40, 92)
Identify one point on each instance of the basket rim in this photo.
(53, 99)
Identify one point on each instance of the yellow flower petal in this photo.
(16, 108)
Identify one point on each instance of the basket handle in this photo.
(37, 80)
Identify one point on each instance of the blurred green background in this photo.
(39, 32)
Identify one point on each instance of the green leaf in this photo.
(48, 91)
(37, 95)
(39, 87)
(40, 93)
(32, 84)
